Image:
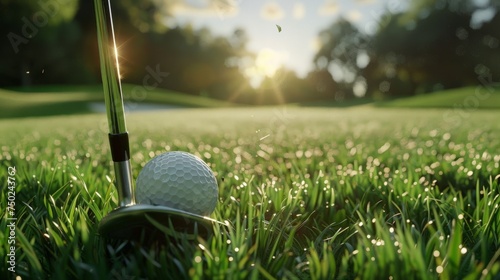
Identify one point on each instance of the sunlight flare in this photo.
(267, 62)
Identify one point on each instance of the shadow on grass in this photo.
(93, 89)
(46, 100)
(47, 109)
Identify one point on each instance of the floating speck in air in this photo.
(279, 28)
(27, 72)
(43, 71)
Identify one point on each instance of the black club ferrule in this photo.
(120, 149)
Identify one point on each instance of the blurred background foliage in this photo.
(433, 45)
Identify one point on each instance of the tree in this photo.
(433, 45)
(322, 86)
(33, 28)
(342, 44)
(422, 49)
(484, 47)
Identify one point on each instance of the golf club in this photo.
(130, 220)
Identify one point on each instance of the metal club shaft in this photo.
(113, 97)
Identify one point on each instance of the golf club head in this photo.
(133, 221)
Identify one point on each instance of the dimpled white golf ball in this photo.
(178, 180)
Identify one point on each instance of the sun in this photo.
(266, 63)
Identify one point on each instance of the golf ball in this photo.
(178, 180)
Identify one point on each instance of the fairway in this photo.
(309, 193)
(66, 100)
(465, 99)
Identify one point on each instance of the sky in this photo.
(300, 22)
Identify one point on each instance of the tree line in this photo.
(430, 46)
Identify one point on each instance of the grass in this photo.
(310, 193)
(467, 98)
(464, 99)
(69, 100)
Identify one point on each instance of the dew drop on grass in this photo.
(439, 269)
